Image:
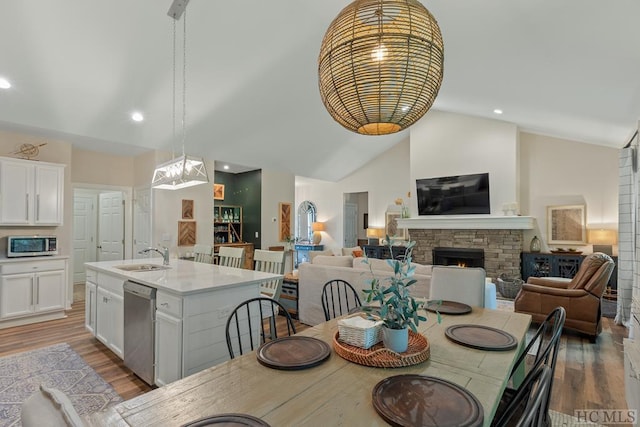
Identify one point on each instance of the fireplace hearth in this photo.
(461, 257)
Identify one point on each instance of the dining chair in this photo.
(532, 399)
(202, 253)
(460, 284)
(338, 298)
(270, 262)
(544, 345)
(231, 257)
(249, 325)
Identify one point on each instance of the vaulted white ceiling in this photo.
(567, 68)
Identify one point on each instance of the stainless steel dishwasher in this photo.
(139, 330)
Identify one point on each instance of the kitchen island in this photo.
(193, 303)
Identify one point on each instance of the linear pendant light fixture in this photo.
(380, 65)
(183, 171)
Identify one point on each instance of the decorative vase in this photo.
(395, 339)
(535, 244)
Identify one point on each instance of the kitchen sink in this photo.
(141, 267)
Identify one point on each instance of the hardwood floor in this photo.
(588, 376)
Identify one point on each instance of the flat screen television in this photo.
(454, 195)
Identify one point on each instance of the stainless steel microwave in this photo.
(18, 246)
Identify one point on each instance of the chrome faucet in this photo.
(164, 252)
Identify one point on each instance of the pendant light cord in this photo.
(173, 122)
(184, 81)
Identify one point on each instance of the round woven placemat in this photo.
(381, 357)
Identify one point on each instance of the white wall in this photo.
(385, 179)
(444, 144)
(562, 172)
(532, 170)
(277, 187)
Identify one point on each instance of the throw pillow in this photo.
(357, 254)
(335, 261)
(51, 405)
(349, 251)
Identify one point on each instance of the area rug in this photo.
(57, 366)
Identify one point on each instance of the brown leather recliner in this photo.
(579, 296)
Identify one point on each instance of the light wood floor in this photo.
(588, 376)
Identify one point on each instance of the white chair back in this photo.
(202, 253)
(231, 257)
(461, 284)
(270, 262)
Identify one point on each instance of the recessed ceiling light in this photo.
(497, 111)
(226, 167)
(137, 116)
(4, 83)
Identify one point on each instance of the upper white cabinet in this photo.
(31, 193)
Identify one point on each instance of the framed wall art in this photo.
(187, 209)
(566, 225)
(186, 233)
(391, 228)
(218, 191)
(284, 219)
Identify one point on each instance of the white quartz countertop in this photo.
(183, 277)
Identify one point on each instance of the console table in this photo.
(383, 252)
(289, 294)
(541, 264)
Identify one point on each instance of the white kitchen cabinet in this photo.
(168, 346)
(168, 351)
(110, 320)
(16, 295)
(34, 287)
(90, 301)
(31, 193)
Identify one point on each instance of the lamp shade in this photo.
(380, 65)
(317, 226)
(375, 232)
(599, 236)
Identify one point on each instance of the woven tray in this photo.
(379, 356)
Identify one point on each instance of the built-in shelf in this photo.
(468, 222)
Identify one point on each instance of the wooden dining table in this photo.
(336, 392)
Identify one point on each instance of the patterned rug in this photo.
(57, 366)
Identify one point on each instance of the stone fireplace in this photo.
(500, 238)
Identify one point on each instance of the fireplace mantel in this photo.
(468, 222)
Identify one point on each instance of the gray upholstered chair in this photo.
(461, 284)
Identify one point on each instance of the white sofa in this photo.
(313, 276)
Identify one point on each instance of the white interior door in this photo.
(84, 233)
(111, 226)
(141, 221)
(350, 225)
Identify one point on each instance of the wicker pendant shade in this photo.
(380, 65)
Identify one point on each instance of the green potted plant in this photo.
(398, 310)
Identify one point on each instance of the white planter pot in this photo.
(395, 339)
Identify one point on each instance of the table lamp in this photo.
(317, 227)
(374, 235)
(603, 240)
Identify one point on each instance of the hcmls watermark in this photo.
(606, 416)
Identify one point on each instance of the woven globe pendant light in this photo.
(380, 65)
